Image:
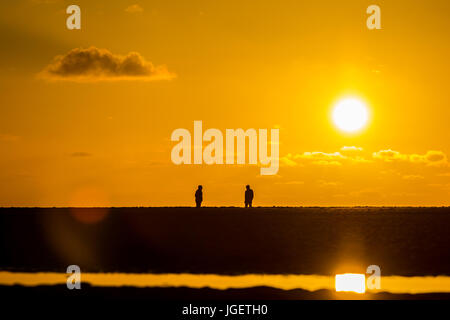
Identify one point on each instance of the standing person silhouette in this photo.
(199, 196)
(248, 196)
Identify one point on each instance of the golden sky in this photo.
(232, 64)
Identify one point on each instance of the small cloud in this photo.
(135, 8)
(322, 158)
(346, 154)
(323, 183)
(444, 186)
(446, 174)
(368, 193)
(44, 1)
(294, 182)
(81, 154)
(435, 157)
(352, 148)
(93, 64)
(275, 176)
(351, 151)
(413, 177)
(327, 163)
(321, 155)
(287, 161)
(388, 155)
(431, 158)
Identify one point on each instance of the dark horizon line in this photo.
(230, 207)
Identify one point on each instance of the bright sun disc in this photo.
(350, 282)
(350, 115)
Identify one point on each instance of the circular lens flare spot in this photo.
(89, 205)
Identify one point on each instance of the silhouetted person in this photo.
(248, 196)
(199, 196)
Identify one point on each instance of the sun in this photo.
(350, 114)
(350, 282)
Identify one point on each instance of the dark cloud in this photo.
(81, 154)
(435, 156)
(95, 64)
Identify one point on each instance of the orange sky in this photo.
(257, 64)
